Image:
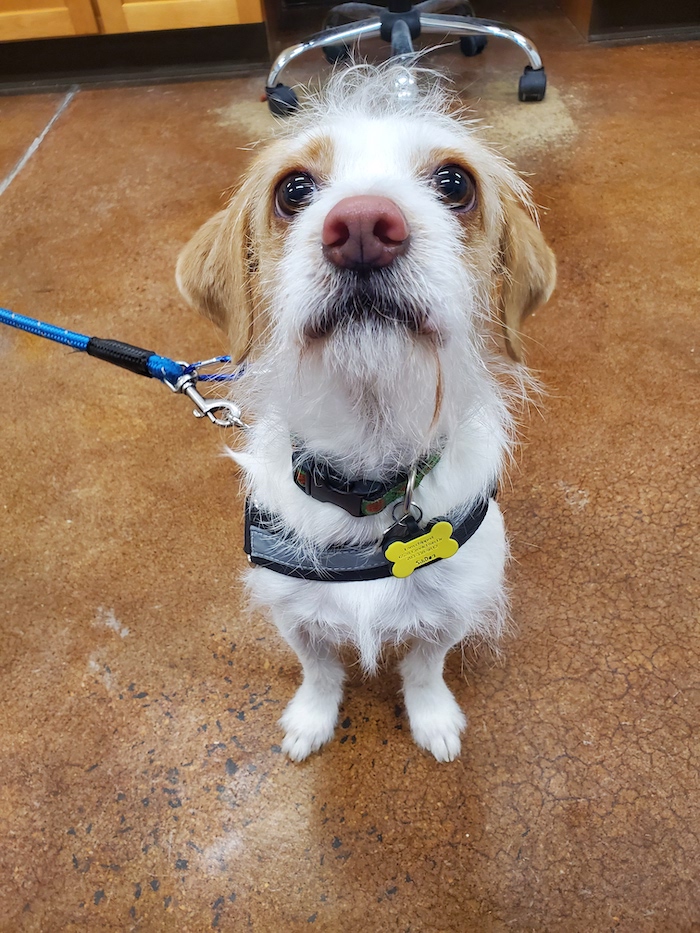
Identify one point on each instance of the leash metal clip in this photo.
(220, 411)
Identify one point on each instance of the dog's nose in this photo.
(364, 232)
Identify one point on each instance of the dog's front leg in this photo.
(435, 717)
(310, 718)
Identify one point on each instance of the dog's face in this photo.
(364, 225)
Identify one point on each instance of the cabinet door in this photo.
(38, 19)
(145, 15)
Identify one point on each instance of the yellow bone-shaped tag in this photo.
(435, 544)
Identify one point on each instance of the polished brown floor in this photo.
(141, 782)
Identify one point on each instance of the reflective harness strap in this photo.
(269, 545)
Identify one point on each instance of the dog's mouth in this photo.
(377, 297)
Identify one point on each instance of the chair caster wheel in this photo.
(336, 53)
(281, 100)
(472, 45)
(532, 85)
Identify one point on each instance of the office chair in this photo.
(399, 24)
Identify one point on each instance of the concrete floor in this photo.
(141, 781)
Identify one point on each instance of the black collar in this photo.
(357, 496)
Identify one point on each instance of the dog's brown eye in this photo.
(294, 192)
(456, 187)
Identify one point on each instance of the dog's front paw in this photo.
(308, 722)
(436, 721)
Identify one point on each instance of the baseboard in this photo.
(626, 36)
(177, 54)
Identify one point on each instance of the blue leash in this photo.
(180, 377)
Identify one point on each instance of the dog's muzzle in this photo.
(378, 297)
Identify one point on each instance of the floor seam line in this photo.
(7, 181)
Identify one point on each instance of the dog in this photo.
(359, 269)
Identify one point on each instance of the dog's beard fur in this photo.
(373, 370)
(374, 394)
(378, 296)
(374, 334)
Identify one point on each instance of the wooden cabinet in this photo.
(38, 19)
(147, 15)
(620, 19)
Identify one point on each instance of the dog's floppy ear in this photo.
(529, 273)
(215, 271)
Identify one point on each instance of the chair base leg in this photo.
(281, 100)
(472, 32)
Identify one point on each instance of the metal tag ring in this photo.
(415, 511)
(410, 489)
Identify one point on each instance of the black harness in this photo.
(269, 545)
